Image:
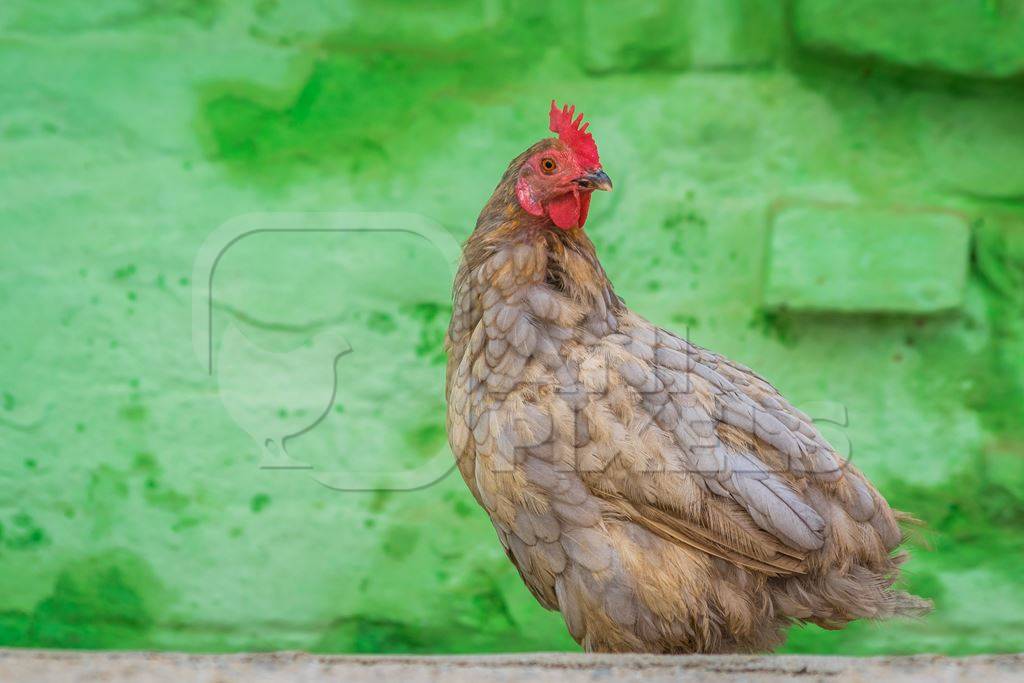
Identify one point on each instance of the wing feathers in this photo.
(679, 530)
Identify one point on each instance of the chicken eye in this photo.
(548, 166)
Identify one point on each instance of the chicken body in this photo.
(661, 497)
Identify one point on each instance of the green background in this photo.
(830, 191)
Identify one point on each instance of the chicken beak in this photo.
(595, 180)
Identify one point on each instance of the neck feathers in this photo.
(563, 260)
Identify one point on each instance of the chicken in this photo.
(663, 498)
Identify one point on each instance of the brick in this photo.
(976, 146)
(980, 38)
(999, 255)
(859, 259)
(682, 35)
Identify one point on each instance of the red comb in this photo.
(572, 134)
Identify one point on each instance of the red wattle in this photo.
(584, 207)
(565, 211)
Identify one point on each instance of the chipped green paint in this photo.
(22, 533)
(102, 601)
(133, 509)
(259, 502)
(360, 107)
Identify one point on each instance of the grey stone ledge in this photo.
(39, 666)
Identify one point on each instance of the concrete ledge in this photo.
(46, 666)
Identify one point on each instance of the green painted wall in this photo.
(134, 510)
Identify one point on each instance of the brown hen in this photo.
(661, 497)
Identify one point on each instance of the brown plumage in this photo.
(662, 497)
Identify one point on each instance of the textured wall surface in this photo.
(829, 191)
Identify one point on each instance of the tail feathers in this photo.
(834, 600)
(895, 604)
(912, 529)
(903, 604)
